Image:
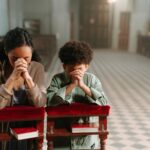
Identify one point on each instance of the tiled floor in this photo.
(126, 81)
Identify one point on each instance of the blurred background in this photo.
(119, 33)
(109, 24)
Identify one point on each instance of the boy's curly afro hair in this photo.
(76, 52)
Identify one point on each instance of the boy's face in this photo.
(70, 68)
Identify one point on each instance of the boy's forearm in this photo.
(87, 90)
(69, 88)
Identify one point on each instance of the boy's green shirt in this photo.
(57, 89)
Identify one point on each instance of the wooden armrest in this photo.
(77, 109)
(22, 113)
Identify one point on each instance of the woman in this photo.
(21, 79)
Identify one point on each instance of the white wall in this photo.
(61, 20)
(30, 9)
(139, 22)
(16, 13)
(4, 18)
(54, 16)
(41, 10)
(74, 8)
(11, 15)
(140, 15)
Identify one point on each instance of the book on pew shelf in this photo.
(24, 133)
(84, 127)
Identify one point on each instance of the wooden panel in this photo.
(94, 21)
(143, 45)
(124, 30)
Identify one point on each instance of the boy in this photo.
(75, 84)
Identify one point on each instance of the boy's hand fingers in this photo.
(78, 77)
(77, 70)
(73, 72)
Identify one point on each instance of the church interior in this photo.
(119, 34)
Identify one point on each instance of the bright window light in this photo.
(111, 1)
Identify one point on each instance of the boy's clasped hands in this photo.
(77, 80)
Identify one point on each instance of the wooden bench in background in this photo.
(24, 113)
(76, 110)
(143, 45)
(46, 47)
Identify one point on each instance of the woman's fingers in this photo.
(21, 69)
(20, 66)
(22, 63)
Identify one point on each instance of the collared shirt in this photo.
(57, 89)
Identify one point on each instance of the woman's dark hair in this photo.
(15, 38)
(2, 53)
(36, 57)
(76, 52)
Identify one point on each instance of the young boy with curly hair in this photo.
(75, 84)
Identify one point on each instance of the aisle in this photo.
(126, 80)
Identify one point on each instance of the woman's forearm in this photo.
(36, 96)
(29, 83)
(9, 84)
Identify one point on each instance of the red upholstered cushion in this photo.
(18, 113)
(77, 109)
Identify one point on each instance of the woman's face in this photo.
(24, 52)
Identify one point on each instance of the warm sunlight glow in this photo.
(111, 1)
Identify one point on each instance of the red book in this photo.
(24, 133)
(82, 127)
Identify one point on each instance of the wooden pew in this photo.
(76, 110)
(24, 113)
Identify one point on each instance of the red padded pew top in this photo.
(21, 113)
(76, 109)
